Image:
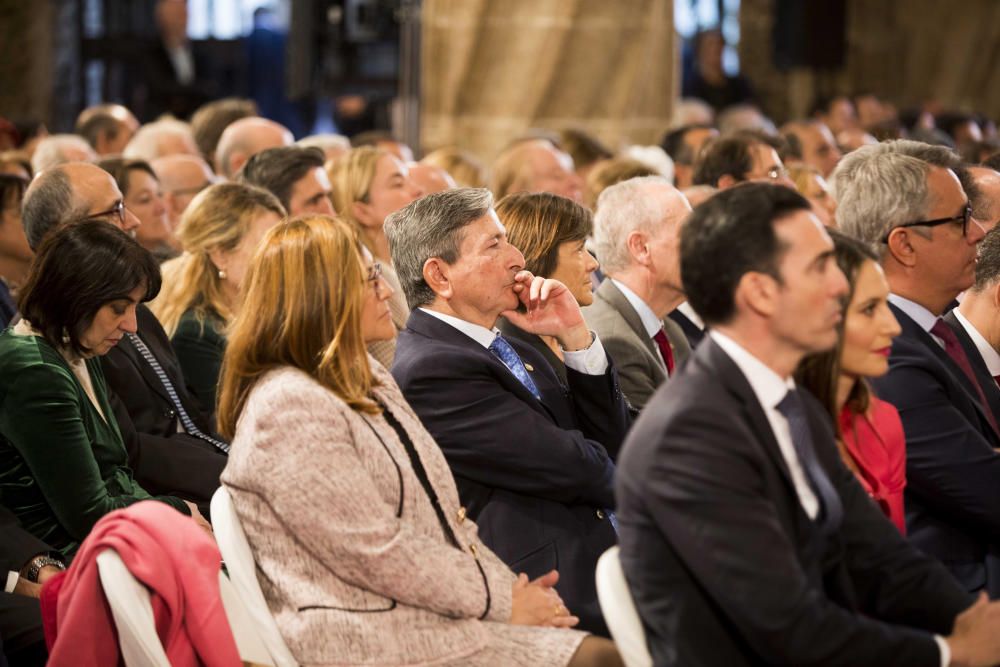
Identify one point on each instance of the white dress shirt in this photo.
(770, 388)
(592, 361)
(986, 351)
(12, 578)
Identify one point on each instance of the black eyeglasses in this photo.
(964, 218)
(118, 209)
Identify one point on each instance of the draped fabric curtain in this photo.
(26, 60)
(493, 69)
(906, 51)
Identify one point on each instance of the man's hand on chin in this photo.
(550, 310)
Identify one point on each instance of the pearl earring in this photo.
(222, 274)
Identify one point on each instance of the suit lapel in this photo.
(145, 370)
(914, 331)
(986, 381)
(737, 384)
(431, 327)
(613, 296)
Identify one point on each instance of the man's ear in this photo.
(759, 292)
(901, 248)
(436, 275)
(996, 295)
(638, 247)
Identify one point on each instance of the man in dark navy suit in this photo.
(905, 198)
(744, 538)
(533, 460)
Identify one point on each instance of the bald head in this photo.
(164, 137)
(244, 139)
(107, 127)
(536, 165)
(986, 206)
(430, 178)
(69, 192)
(181, 178)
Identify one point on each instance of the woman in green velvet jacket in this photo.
(63, 463)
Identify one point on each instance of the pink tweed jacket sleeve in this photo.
(352, 557)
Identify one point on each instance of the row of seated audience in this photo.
(334, 329)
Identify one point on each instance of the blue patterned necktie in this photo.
(185, 418)
(831, 509)
(508, 355)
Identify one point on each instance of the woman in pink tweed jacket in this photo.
(363, 551)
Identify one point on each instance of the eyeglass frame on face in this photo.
(374, 275)
(118, 209)
(965, 219)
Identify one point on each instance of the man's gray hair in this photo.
(51, 151)
(431, 227)
(48, 203)
(882, 186)
(624, 208)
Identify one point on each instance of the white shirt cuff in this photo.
(944, 649)
(592, 361)
(12, 578)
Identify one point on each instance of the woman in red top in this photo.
(870, 434)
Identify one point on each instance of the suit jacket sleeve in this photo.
(634, 373)
(200, 351)
(17, 546)
(949, 462)
(707, 498)
(492, 437)
(367, 546)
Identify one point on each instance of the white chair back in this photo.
(132, 611)
(239, 560)
(619, 611)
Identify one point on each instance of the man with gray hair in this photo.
(161, 138)
(976, 321)
(57, 149)
(636, 230)
(904, 198)
(533, 459)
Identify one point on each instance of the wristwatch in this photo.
(36, 565)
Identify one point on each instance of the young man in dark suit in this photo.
(744, 539)
(533, 462)
(905, 198)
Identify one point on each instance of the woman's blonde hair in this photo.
(463, 166)
(801, 174)
(216, 219)
(351, 176)
(303, 301)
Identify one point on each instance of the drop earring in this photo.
(222, 274)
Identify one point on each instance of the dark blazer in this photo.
(986, 381)
(200, 347)
(163, 91)
(164, 460)
(692, 331)
(641, 368)
(952, 468)
(20, 616)
(724, 564)
(535, 475)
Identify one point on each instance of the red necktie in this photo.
(955, 350)
(665, 350)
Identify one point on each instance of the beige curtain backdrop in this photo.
(906, 51)
(25, 59)
(492, 69)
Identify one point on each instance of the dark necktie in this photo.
(186, 421)
(831, 510)
(510, 358)
(954, 349)
(665, 350)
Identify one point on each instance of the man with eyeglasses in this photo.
(170, 439)
(748, 155)
(181, 177)
(904, 198)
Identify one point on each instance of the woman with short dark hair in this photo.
(551, 232)
(143, 196)
(63, 464)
